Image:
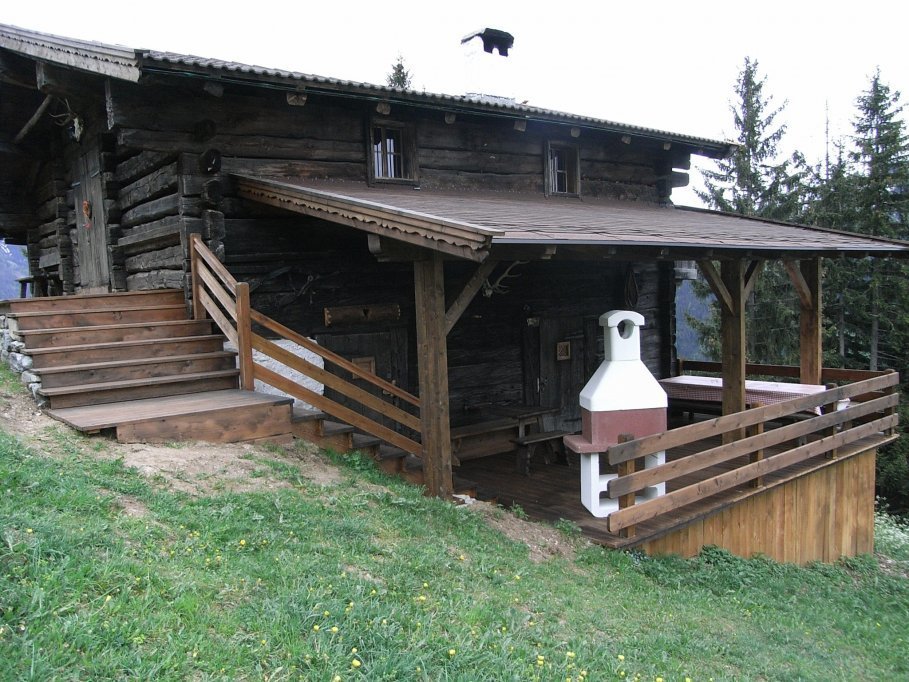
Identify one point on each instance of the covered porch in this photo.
(709, 461)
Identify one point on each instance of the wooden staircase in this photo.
(133, 362)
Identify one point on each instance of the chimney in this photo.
(487, 65)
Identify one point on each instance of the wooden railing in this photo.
(216, 293)
(828, 374)
(775, 437)
(226, 301)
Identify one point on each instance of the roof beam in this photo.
(752, 273)
(708, 269)
(468, 293)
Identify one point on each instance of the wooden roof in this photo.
(471, 225)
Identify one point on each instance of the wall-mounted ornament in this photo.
(563, 350)
(87, 214)
(631, 288)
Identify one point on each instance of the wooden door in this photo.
(383, 353)
(91, 224)
(566, 360)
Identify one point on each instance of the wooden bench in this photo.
(527, 445)
(483, 439)
(41, 285)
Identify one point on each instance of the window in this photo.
(562, 171)
(391, 156)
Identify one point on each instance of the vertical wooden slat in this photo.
(733, 339)
(244, 337)
(198, 310)
(626, 501)
(757, 455)
(432, 359)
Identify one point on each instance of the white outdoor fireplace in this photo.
(622, 397)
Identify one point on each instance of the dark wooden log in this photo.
(155, 209)
(157, 279)
(251, 146)
(169, 258)
(157, 183)
(142, 164)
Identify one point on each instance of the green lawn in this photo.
(364, 579)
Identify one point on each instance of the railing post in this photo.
(830, 408)
(625, 501)
(244, 337)
(893, 410)
(198, 309)
(758, 454)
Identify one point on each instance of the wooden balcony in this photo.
(792, 480)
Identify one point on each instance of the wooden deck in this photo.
(552, 491)
(209, 415)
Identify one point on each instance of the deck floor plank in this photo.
(97, 417)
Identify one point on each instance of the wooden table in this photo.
(487, 437)
(694, 389)
(525, 415)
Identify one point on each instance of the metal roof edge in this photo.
(902, 244)
(108, 60)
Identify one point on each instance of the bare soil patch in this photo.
(544, 542)
(198, 469)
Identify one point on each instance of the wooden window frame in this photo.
(407, 154)
(571, 172)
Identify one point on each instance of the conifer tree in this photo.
(881, 156)
(400, 76)
(753, 182)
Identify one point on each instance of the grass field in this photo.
(106, 573)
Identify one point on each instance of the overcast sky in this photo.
(665, 65)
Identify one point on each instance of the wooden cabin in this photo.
(447, 257)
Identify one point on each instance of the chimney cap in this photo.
(493, 39)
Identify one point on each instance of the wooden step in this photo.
(366, 444)
(91, 317)
(141, 368)
(391, 460)
(135, 389)
(73, 336)
(111, 300)
(123, 350)
(218, 416)
(315, 428)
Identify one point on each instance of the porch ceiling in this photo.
(473, 224)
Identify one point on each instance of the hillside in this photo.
(233, 562)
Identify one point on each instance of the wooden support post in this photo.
(806, 277)
(733, 338)
(244, 337)
(625, 501)
(432, 359)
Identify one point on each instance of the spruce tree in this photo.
(754, 182)
(400, 76)
(881, 157)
